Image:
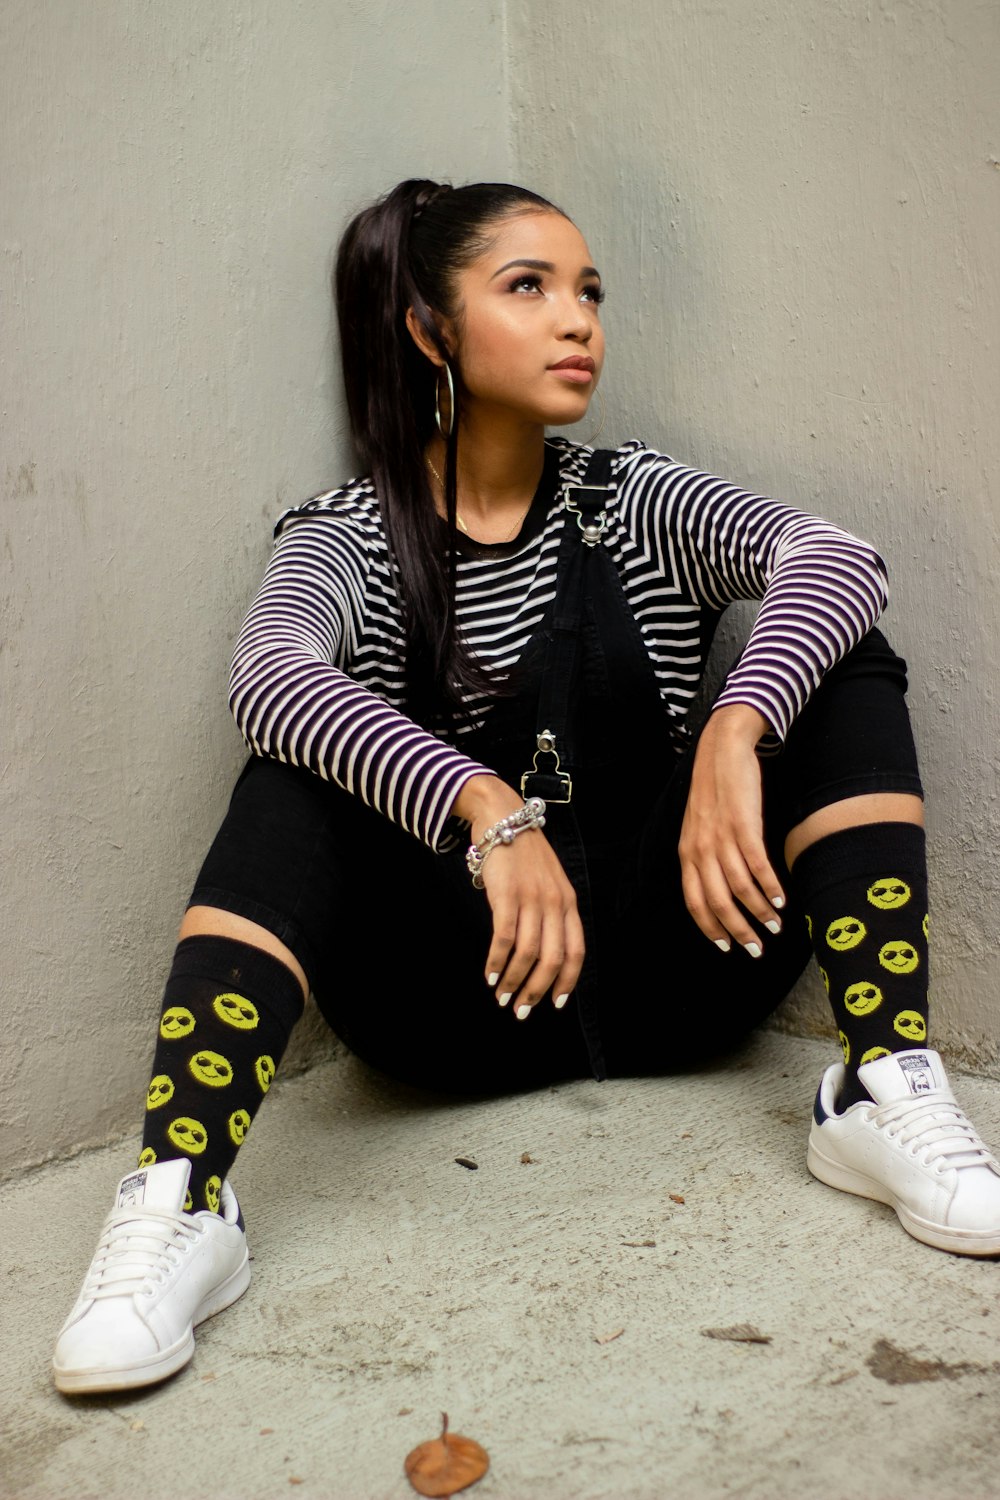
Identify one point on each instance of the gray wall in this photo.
(797, 217)
(797, 211)
(174, 179)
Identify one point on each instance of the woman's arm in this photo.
(294, 702)
(821, 589)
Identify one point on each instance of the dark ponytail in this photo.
(405, 251)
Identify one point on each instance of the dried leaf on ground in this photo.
(675, 1197)
(466, 1161)
(640, 1244)
(266, 1431)
(608, 1338)
(137, 1425)
(446, 1464)
(740, 1333)
(526, 1160)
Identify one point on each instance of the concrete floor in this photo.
(391, 1284)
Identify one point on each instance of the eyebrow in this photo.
(542, 265)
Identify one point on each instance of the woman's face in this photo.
(527, 333)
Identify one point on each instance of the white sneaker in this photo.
(156, 1273)
(913, 1148)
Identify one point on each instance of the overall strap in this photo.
(585, 503)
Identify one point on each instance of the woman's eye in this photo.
(593, 294)
(532, 283)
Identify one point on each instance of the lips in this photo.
(576, 362)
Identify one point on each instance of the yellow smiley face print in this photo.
(911, 1024)
(861, 999)
(925, 926)
(845, 933)
(898, 958)
(239, 1124)
(845, 1044)
(160, 1091)
(825, 977)
(872, 1054)
(176, 1022)
(264, 1068)
(188, 1202)
(147, 1156)
(213, 1192)
(236, 1011)
(188, 1135)
(889, 894)
(211, 1068)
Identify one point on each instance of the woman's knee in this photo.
(215, 921)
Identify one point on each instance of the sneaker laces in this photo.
(936, 1129)
(138, 1253)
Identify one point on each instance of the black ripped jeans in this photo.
(393, 937)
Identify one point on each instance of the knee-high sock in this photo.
(228, 1011)
(865, 892)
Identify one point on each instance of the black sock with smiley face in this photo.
(228, 1011)
(865, 891)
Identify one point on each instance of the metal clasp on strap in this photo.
(546, 743)
(591, 524)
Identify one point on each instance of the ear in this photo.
(424, 343)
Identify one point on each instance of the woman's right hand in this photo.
(538, 942)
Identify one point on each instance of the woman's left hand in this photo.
(725, 869)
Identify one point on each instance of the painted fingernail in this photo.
(778, 902)
(491, 979)
(722, 944)
(754, 949)
(505, 998)
(522, 1011)
(773, 926)
(561, 1001)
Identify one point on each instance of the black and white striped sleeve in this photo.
(293, 700)
(821, 588)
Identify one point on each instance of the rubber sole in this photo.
(94, 1381)
(958, 1241)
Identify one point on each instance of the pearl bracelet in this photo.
(504, 831)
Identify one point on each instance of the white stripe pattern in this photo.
(318, 672)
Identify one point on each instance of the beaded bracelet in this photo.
(504, 831)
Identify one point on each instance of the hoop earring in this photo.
(604, 417)
(445, 432)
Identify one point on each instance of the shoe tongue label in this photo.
(917, 1073)
(132, 1192)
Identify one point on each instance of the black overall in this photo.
(393, 937)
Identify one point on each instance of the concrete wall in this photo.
(797, 211)
(173, 181)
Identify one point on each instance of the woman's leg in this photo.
(848, 761)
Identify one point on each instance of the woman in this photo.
(479, 659)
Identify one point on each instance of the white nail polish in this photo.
(561, 1001)
(778, 903)
(773, 926)
(505, 998)
(754, 950)
(722, 944)
(522, 1011)
(491, 979)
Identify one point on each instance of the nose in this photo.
(572, 319)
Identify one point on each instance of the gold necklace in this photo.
(461, 524)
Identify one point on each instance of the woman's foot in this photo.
(911, 1146)
(156, 1273)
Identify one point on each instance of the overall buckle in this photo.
(592, 524)
(551, 784)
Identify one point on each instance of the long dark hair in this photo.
(405, 251)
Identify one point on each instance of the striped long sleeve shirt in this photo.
(318, 673)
